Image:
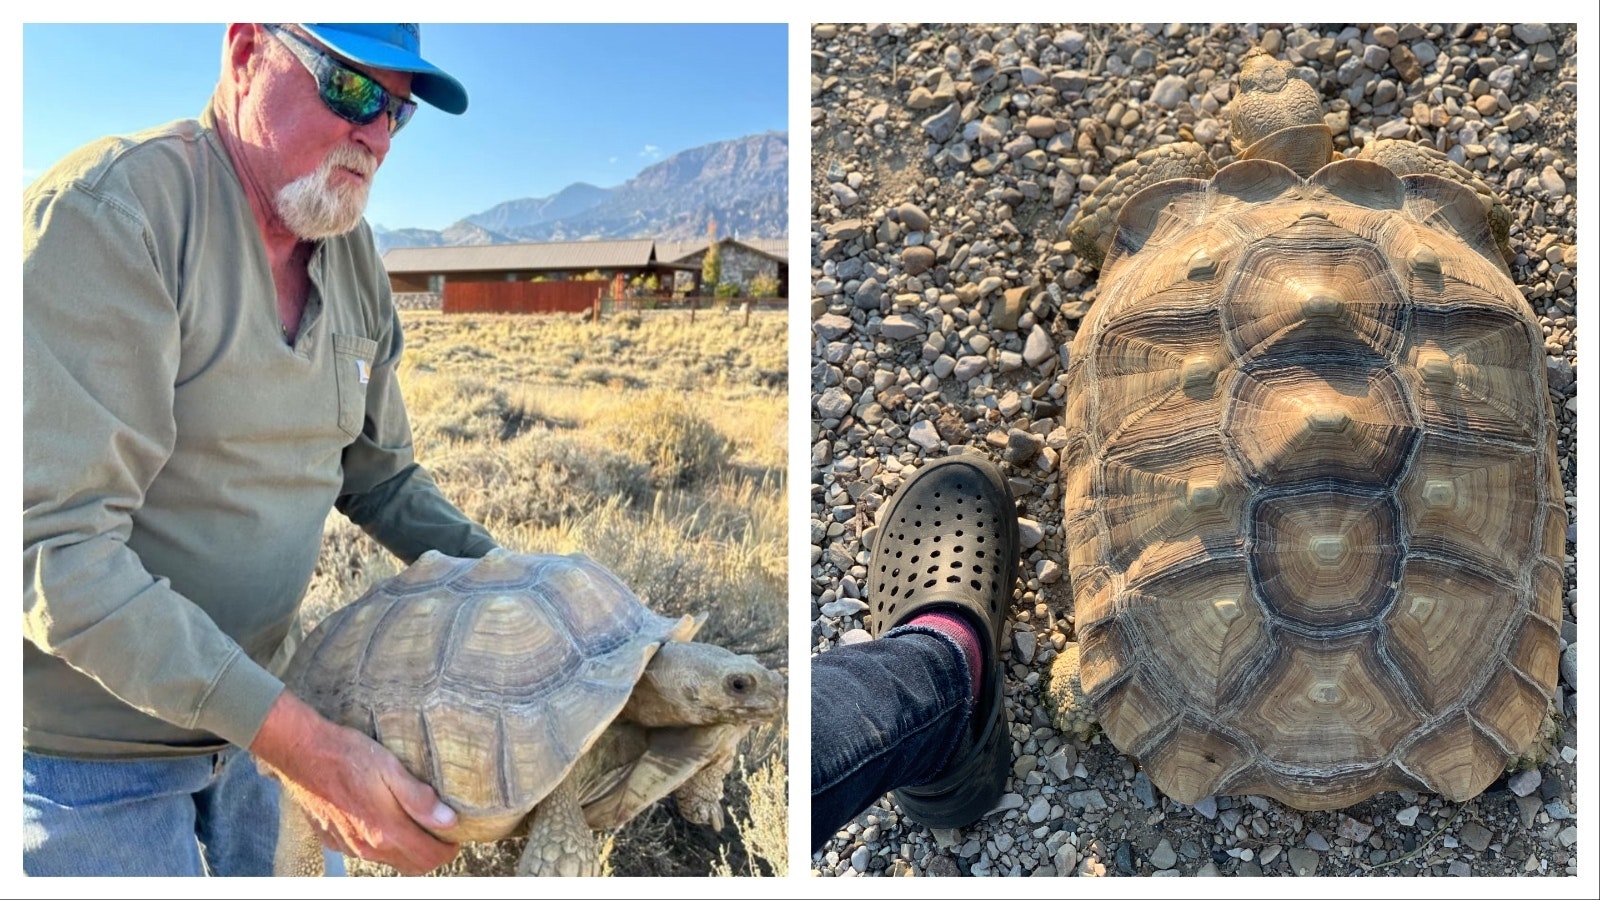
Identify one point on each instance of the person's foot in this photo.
(947, 546)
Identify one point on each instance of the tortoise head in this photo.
(688, 683)
(1277, 116)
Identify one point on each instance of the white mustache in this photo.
(350, 156)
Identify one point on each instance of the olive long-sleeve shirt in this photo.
(179, 457)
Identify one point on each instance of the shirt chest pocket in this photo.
(352, 364)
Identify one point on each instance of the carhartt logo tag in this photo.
(363, 370)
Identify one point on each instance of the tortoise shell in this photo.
(1314, 520)
(488, 678)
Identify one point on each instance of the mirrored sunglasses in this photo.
(349, 94)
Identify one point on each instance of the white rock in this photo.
(1031, 533)
(1525, 782)
(843, 607)
(1039, 347)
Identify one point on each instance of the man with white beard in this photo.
(209, 364)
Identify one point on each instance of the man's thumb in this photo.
(422, 804)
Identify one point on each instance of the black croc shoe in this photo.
(948, 539)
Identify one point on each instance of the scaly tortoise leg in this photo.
(1092, 231)
(299, 850)
(559, 840)
(700, 796)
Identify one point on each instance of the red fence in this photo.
(521, 296)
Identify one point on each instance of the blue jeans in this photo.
(196, 815)
(885, 714)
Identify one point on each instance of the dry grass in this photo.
(652, 445)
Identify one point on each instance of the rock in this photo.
(1459, 868)
(1143, 790)
(1303, 862)
(1170, 92)
(924, 435)
(1041, 127)
(1407, 816)
(968, 367)
(1524, 783)
(1207, 807)
(1006, 313)
(1476, 836)
(1009, 801)
(831, 326)
(833, 404)
(1090, 799)
(1039, 347)
(1530, 33)
(1354, 829)
(1039, 810)
(899, 328)
(1550, 180)
(1316, 841)
(916, 260)
(1022, 446)
(1031, 533)
(1405, 64)
(1163, 856)
(843, 607)
(855, 636)
(912, 216)
(941, 126)
(1060, 765)
(1569, 665)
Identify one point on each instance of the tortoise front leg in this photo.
(1095, 226)
(559, 840)
(700, 796)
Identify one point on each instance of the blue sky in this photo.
(550, 104)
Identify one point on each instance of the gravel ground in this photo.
(946, 163)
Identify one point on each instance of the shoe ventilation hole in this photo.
(933, 555)
(891, 607)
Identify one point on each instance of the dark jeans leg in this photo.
(884, 714)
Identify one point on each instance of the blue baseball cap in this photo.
(397, 48)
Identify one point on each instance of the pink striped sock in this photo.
(965, 636)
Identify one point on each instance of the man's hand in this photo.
(356, 791)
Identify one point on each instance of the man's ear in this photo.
(241, 52)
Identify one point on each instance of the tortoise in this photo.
(537, 695)
(1315, 526)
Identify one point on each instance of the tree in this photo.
(764, 285)
(711, 267)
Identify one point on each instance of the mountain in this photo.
(569, 201)
(742, 183)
